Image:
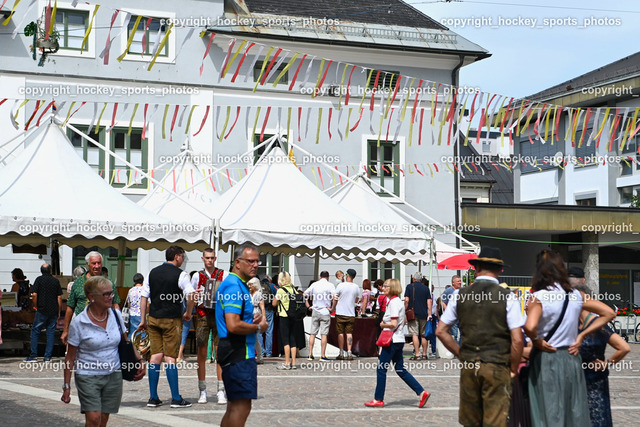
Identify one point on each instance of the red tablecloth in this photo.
(365, 334)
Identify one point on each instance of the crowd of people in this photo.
(555, 349)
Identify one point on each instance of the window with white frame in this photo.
(381, 160)
(72, 26)
(149, 30)
(131, 147)
(383, 270)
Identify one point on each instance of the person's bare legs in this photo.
(323, 346)
(312, 340)
(237, 413)
(287, 355)
(341, 343)
(416, 345)
(294, 352)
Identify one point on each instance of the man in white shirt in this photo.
(347, 296)
(322, 294)
(491, 343)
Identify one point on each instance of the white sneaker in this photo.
(222, 400)
(203, 397)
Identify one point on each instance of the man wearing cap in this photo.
(576, 276)
(347, 296)
(491, 345)
(322, 294)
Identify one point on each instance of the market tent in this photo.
(277, 208)
(185, 196)
(357, 196)
(48, 191)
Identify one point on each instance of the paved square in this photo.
(318, 393)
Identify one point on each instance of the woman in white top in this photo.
(93, 352)
(557, 389)
(258, 308)
(394, 319)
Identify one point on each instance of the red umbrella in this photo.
(457, 262)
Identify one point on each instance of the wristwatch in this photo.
(259, 330)
(66, 386)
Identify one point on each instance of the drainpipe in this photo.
(456, 178)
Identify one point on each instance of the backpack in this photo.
(297, 309)
(267, 295)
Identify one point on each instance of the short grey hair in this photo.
(92, 254)
(417, 276)
(78, 271)
(240, 250)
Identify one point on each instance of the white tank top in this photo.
(552, 301)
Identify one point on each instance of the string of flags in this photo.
(219, 181)
(385, 98)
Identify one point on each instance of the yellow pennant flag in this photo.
(292, 157)
(130, 39)
(86, 35)
(53, 16)
(15, 5)
(161, 47)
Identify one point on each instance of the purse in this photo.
(409, 313)
(129, 362)
(386, 337)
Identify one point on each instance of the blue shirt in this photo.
(233, 296)
(422, 294)
(446, 295)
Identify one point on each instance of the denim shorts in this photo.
(241, 380)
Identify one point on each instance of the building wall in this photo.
(179, 82)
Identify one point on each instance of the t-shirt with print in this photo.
(133, 298)
(233, 296)
(97, 347)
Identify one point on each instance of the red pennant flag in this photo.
(206, 52)
(264, 125)
(244, 56)
(234, 123)
(204, 119)
(295, 76)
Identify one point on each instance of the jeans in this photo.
(455, 333)
(432, 340)
(267, 344)
(393, 354)
(43, 321)
(186, 326)
(134, 321)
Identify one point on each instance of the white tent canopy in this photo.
(277, 208)
(48, 191)
(196, 197)
(358, 197)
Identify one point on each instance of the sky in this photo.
(568, 38)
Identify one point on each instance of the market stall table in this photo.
(365, 334)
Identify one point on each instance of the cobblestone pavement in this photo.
(318, 393)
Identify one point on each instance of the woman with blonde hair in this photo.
(394, 319)
(94, 335)
(288, 328)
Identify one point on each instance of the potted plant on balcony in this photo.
(46, 45)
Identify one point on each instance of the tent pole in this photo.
(316, 265)
(122, 253)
